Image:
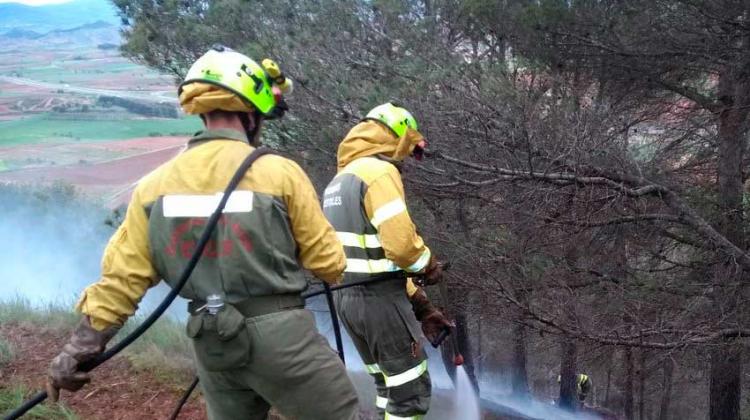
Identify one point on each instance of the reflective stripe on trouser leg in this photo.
(406, 376)
(389, 416)
(381, 401)
(408, 392)
(373, 368)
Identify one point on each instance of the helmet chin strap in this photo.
(253, 133)
(399, 164)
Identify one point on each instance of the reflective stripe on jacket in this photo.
(271, 228)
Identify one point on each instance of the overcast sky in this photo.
(35, 2)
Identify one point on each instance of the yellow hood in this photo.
(202, 98)
(370, 138)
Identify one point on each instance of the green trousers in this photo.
(387, 336)
(279, 360)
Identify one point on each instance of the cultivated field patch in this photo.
(49, 128)
(66, 108)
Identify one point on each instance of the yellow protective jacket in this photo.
(366, 205)
(272, 226)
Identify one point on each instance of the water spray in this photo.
(466, 398)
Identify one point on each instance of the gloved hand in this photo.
(433, 321)
(433, 273)
(85, 344)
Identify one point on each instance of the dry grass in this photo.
(163, 350)
(14, 396)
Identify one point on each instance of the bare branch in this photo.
(631, 186)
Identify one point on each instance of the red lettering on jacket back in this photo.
(185, 234)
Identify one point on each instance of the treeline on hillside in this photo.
(586, 174)
(140, 108)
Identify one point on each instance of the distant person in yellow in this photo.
(583, 386)
(262, 348)
(366, 205)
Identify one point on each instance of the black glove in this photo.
(433, 273)
(433, 321)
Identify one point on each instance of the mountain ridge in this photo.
(56, 16)
(89, 34)
(29, 34)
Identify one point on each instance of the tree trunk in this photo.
(478, 356)
(641, 385)
(568, 394)
(519, 376)
(666, 394)
(609, 381)
(629, 377)
(726, 386)
(519, 373)
(726, 360)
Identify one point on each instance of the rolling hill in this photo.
(89, 34)
(40, 19)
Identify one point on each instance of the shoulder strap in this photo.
(237, 177)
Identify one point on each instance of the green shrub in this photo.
(6, 353)
(13, 396)
(164, 350)
(54, 316)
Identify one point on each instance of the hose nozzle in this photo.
(441, 337)
(458, 360)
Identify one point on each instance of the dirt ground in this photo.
(117, 392)
(131, 146)
(115, 172)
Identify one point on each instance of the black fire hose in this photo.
(184, 399)
(146, 324)
(335, 322)
(418, 277)
(313, 293)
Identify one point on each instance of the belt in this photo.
(259, 305)
(382, 283)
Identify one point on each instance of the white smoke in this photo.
(51, 244)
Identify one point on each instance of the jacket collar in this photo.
(216, 134)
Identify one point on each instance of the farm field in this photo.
(108, 172)
(59, 88)
(74, 110)
(49, 128)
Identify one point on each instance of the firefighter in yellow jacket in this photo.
(365, 203)
(262, 348)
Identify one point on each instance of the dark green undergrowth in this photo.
(6, 352)
(14, 395)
